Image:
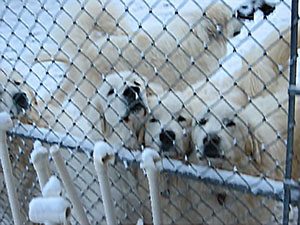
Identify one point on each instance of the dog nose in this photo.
(211, 144)
(211, 139)
(167, 138)
(131, 92)
(21, 100)
(245, 12)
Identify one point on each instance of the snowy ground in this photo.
(24, 25)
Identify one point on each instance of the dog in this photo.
(248, 139)
(269, 65)
(204, 39)
(166, 127)
(115, 114)
(118, 110)
(260, 74)
(17, 99)
(14, 98)
(167, 131)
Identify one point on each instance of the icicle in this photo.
(68, 184)
(235, 169)
(103, 154)
(39, 158)
(125, 164)
(5, 125)
(140, 222)
(149, 160)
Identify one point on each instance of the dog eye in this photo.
(202, 121)
(17, 82)
(181, 119)
(228, 123)
(111, 91)
(153, 120)
(136, 83)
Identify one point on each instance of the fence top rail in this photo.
(233, 179)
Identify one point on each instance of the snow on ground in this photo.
(24, 25)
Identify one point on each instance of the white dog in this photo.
(269, 65)
(166, 129)
(118, 110)
(14, 97)
(202, 39)
(250, 140)
(114, 114)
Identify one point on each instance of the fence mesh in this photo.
(203, 83)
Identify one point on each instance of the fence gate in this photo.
(149, 112)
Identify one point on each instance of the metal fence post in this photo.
(291, 111)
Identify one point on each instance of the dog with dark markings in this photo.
(18, 99)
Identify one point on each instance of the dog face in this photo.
(124, 94)
(14, 97)
(166, 130)
(223, 139)
(122, 98)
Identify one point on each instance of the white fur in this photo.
(168, 114)
(249, 144)
(101, 55)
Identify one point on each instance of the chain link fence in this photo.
(203, 83)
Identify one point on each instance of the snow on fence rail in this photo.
(235, 180)
(33, 27)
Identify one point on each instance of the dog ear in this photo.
(98, 109)
(253, 147)
(221, 19)
(218, 14)
(103, 124)
(141, 136)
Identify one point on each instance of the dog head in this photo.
(122, 99)
(224, 139)
(15, 97)
(124, 93)
(166, 130)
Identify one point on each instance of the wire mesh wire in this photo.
(200, 82)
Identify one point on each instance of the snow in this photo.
(104, 152)
(38, 151)
(140, 222)
(52, 188)
(149, 159)
(246, 183)
(24, 26)
(54, 149)
(52, 210)
(5, 122)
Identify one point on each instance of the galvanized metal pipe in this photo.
(291, 111)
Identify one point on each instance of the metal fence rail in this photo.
(203, 84)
